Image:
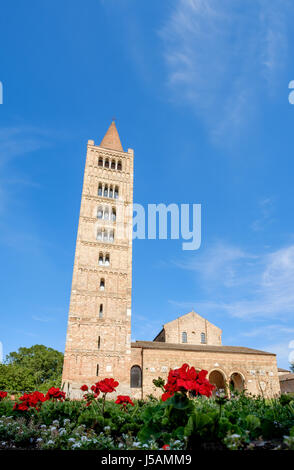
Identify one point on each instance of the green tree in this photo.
(35, 368)
(292, 367)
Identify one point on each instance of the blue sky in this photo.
(200, 91)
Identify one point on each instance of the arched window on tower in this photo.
(100, 161)
(113, 215)
(101, 311)
(97, 370)
(106, 191)
(107, 260)
(184, 337)
(98, 345)
(105, 235)
(119, 166)
(106, 213)
(106, 164)
(116, 192)
(100, 262)
(113, 164)
(102, 284)
(99, 213)
(100, 190)
(136, 377)
(99, 234)
(203, 338)
(111, 235)
(111, 192)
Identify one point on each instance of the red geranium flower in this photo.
(3, 395)
(124, 400)
(30, 400)
(84, 388)
(186, 379)
(166, 447)
(107, 385)
(55, 393)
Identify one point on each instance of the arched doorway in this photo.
(217, 379)
(136, 377)
(236, 382)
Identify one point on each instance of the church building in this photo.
(98, 342)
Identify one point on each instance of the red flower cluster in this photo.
(107, 385)
(103, 386)
(55, 394)
(3, 395)
(124, 400)
(186, 379)
(30, 400)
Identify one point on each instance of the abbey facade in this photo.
(98, 342)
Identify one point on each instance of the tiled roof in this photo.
(285, 377)
(111, 139)
(200, 347)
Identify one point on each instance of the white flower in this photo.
(53, 428)
(235, 436)
(56, 422)
(83, 438)
(78, 444)
(65, 421)
(71, 439)
(43, 426)
(62, 432)
(39, 439)
(50, 442)
(136, 444)
(106, 428)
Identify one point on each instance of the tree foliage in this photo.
(37, 367)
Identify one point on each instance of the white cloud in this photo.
(220, 262)
(221, 55)
(41, 319)
(266, 207)
(246, 286)
(16, 141)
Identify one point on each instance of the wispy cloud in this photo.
(41, 319)
(246, 286)
(266, 207)
(16, 141)
(220, 56)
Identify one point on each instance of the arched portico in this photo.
(218, 378)
(236, 382)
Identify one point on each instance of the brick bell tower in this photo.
(98, 342)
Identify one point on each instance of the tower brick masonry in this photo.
(98, 342)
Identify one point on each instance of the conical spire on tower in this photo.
(111, 139)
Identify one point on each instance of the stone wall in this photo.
(193, 325)
(258, 371)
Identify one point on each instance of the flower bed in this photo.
(186, 417)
